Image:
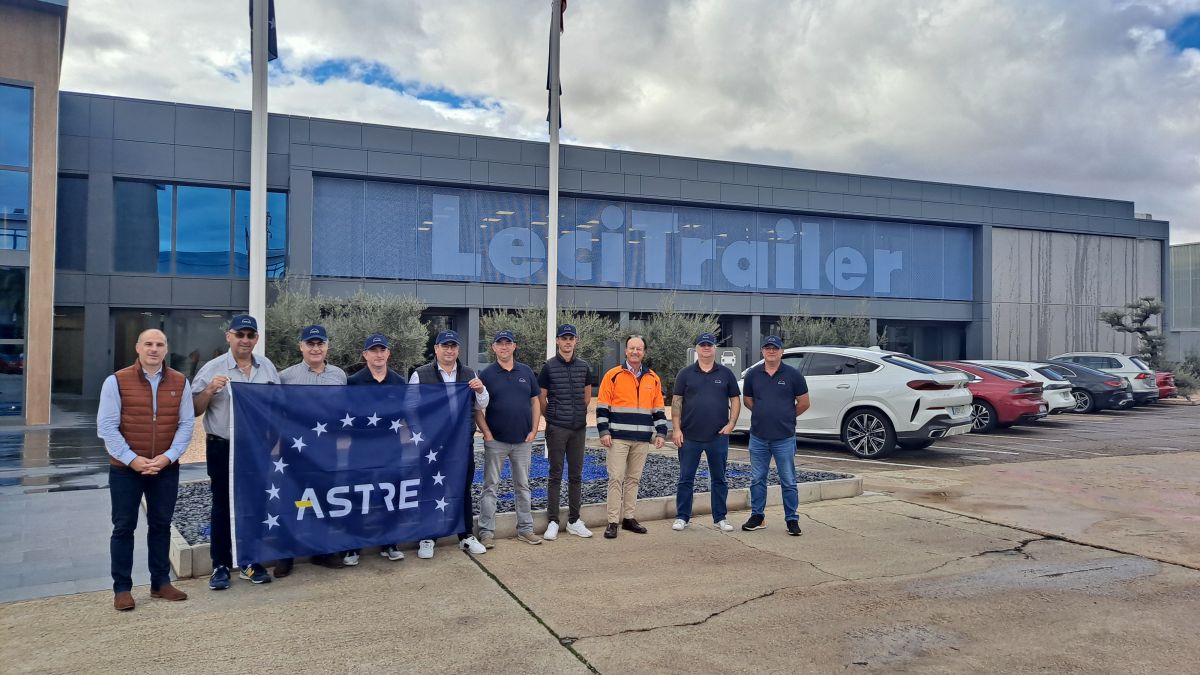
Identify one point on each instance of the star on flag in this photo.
(348, 421)
(298, 444)
(273, 492)
(438, 478)
(432, 457)
(396, 424)
(372, 420)
(320, 429)
(271, 522)
(279, 465)
(441, 504)
(417, 438)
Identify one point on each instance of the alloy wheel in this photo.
(866, 434)
(981, 418)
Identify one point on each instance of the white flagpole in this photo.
(552, 221)
(258, 173)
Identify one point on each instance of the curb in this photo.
(193, 561)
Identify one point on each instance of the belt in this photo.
(216, 438)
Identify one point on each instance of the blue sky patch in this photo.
(378, 75)
(1186, 33)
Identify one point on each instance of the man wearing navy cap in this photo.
(776, 394)
(210, 397)
(508, 425)
(566, 384)
(312, 369)
(704, 408)
(445, 368)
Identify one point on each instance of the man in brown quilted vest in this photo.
(146, 420)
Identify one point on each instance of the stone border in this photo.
(193, 561)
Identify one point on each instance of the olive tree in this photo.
(669, 334)
(528, 325)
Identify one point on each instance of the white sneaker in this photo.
(391, 553)
(472, 544)
(425, 550)
(551, 532)
(679, 524)
(350, 559)
(578, 529)
(724, 526)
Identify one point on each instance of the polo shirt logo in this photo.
(520, 379)
(717, 382)
(784, 382)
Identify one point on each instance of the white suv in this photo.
(1142, 381)
(873, 399)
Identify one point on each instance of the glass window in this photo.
(16, 109)
(142, 227)
(71, 240)
(1062, 370)
(866, 366)
(203, 231)
(14, 210)
(276, 234)
(829, 364)
(911, 364)
(193, 336)
(1011, 371)
(1138, 362)
(68, 351)
(795, 360)
(12, 341)
(996, 372)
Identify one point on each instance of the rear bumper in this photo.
(1141, 397)
(938, 427)
(1115, 399)
(1017, 412)
(1168, 392)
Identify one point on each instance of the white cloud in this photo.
(1069, 97)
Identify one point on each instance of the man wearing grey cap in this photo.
(445, 368)
(312, 369)
(210, 397)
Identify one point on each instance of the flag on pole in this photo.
(272, 41)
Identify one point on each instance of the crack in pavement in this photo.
(788, 557)
(1063, 574)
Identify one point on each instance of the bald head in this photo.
(151, 349)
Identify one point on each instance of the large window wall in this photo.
(193, 336)
(16, 135)
(193, 231)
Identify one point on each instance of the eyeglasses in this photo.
(449, 345)
(245, 335)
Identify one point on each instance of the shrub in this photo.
(800, 329)
(528, 325)
(669, 335)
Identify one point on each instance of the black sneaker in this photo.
(756, 522)
(219, 580)
(793, 528)
(255, 574)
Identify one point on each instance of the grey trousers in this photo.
(518, 456)
(564, 444)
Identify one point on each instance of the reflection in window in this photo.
(193, 336)
(202, 233)
(71, 241)
(142, 227)
(14, 210)
(16, 106)
(276, 234)
(67, 373)
(12, 341)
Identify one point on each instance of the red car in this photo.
(1166, 385)
(1001, 400)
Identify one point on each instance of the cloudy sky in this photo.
(1079, 97)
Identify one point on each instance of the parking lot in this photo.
(1167, 427)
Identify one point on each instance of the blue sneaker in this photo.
(219, 580)
(255, 574)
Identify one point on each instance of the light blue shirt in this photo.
(108, 419)
(216, 417)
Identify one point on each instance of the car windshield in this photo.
(911, 364)
(1139, 363)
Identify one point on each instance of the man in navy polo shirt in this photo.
(704, 408)
(508, 425)
(775, 394)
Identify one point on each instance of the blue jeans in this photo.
(125, 489)
(784, 452)
(717, 452)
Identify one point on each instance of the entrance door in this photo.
(12, 343)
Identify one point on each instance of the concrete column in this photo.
(756, 337)
(472, 338)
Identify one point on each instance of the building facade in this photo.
(1183, 337)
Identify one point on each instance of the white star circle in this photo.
(432, 457)
(438, 478)
(273, 492)
(298, 444)
(372, 420)
(396, 424)
(279, 465)
(320, 429)
(417, 438)
(271, 522)
(348, 421)
(441, 504)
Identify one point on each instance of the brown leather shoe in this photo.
(610, 532)
(633, 525)
(169, 592)
(284, 567)
(123, 601)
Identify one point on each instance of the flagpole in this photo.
(552, 221)
(258, 171)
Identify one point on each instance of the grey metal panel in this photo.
(1004, 199)
(498, 150)
(300, 206)
(767, 176)
(541, 178)
(936, 192)
(825, 201)
(345, 134)
(974, 196)
(239, 295)
(97, 289)
(442, 294)
(1068, 221)
(72, 153)
(200, 292)
(387, 138)
(852, 185)
(906, 208)
(241, 166)
(660, 187)
(466, 147)
(143, 159)
(338, 159)
(739, 194)
(144, 121)
(301, 155)
(674, 167)
(1035, 202)
(643, 165)
(568, 179)
(719, 172)
(445, 168)
(69, 288)
(633, 185)
(431, 143)
(100, 155)
(393, 164)
(1119, 209)
(766, 196)
(1006, 216)
(208, 164)
(1064, 204)
(906, 189)
(700, 190)
(204, 127)
(794, 199)
(1154, 228)
(298, 130)
(277, 170)
(74, 116)
(797, 180)
(594, 181)
(965, 213)
(858, 204)
(584, 158)
(937, 210)
(1038, 219)
(278, 132)
(510, 174)
(537, 154)
(875, 187)
(507, 296)
(139, 291)
(101, 118)
(739, 174)
(480, 171)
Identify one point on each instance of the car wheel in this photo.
(868, 434)
(1084, 403)
(916, 445)
(983, 417)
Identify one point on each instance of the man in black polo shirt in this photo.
(508, 425)
(776, 394)
(704, 409)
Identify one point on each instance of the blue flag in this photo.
(272, 37)
(321, 469)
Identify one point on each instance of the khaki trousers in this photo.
(626, 459)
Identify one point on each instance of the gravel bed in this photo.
(193, 510)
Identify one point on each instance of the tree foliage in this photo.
(1135, 319)
(528, 325)
(669, 334)
(348, 321)
(801, 329)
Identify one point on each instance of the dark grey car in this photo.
(1093, 389)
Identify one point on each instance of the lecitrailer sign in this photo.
(372, 229)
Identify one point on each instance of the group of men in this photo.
(147, 415)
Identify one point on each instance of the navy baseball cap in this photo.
(243, 321)
(567, 329)
(772, 341)
(376, 340)
(314, 333)
(706, 339)
(447, 336)
(504, 335)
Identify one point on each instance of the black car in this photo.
(1093, 389)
